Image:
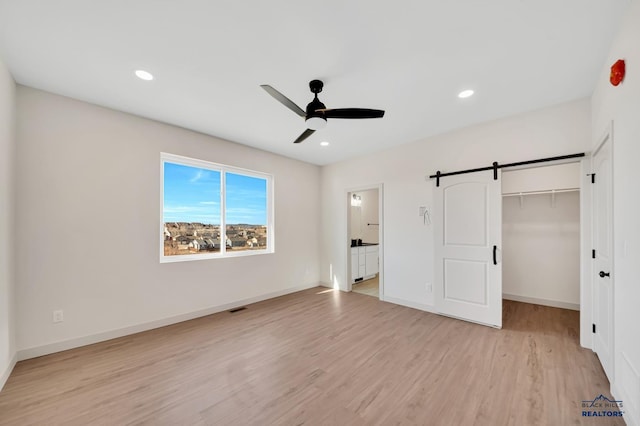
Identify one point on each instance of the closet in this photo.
(541, 235)
(363, 225)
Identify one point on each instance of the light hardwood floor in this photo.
(369, 287)
(319, 357)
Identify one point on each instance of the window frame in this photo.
(222, 169)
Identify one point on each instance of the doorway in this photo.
(364, 230)
(541, 235)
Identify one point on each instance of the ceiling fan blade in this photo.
(283, 100)
(353, 113)
(304, 135)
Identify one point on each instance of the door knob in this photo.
(604, 274)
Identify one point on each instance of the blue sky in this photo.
(192, 194)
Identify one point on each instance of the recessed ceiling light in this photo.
(465, 94)
(324, 143)
(144, 75)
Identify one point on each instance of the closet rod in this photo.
(551, 191)
(497, 166)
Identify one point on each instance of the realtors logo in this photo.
(601, 406)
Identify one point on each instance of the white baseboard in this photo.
(64, 345)
(409, 304)
(5, 375)
(544, 302)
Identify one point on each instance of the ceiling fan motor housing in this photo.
(313, 107)
(315, 119)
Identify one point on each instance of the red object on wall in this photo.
(617, 72)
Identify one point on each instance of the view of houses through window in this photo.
(212, 210)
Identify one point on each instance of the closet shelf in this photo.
(550, 191)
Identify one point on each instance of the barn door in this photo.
(468, 234)
(603, 264)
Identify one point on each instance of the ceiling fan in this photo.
(316, 114)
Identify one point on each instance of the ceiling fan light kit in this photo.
(316, 123)
(316, 114)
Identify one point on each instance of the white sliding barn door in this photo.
(603, 264)
(468, 238)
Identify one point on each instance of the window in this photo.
(211, 210)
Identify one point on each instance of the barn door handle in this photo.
(604, 274)
(495, 257)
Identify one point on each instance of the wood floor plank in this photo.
(319, 357)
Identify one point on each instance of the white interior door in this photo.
(468, 235)
(603, 263)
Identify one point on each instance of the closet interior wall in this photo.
(541, 235)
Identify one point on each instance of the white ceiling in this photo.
(410, 58)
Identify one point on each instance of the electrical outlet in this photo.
(421, 211)
(429, 288)
(58, 316)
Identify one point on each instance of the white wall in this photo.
(541, 249)
(7, 288)
(542, 178)
(407, 242)
(621, 105)
(88, 217)
(363, 215)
